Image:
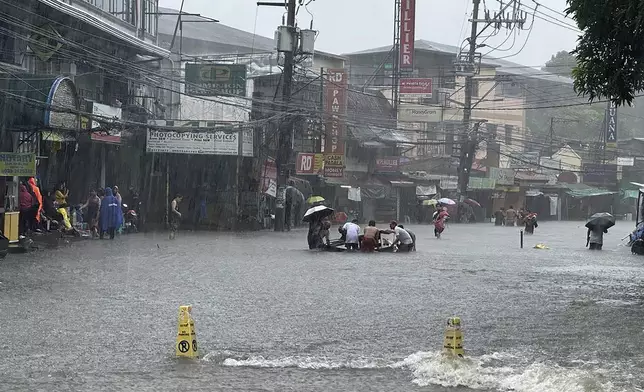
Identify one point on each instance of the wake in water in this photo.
(487, 372)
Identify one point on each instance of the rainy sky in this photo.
(352, 25)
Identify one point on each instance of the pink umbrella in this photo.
(472, 202)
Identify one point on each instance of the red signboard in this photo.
(336, 110)
(416, 86)
(407, 33)
(387, 164)
(308, 164)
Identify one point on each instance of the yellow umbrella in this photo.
(315, 199)
(430, 202)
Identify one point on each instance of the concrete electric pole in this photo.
(285, 135)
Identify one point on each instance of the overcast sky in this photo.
(351, 25)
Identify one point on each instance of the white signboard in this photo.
(502, 176)
(200, 143)
(449, 183)
(628, 161)
(420, 113)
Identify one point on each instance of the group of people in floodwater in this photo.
(370, 239)
(512, 217)
(42, 211)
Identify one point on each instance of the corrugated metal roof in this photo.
(504, 66)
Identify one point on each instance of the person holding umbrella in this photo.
(318, 225)
(597, 226)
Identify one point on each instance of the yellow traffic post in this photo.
(453, 344)
(186, 345)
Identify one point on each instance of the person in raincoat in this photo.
(35, 191)
(110, 216)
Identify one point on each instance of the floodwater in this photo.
(272, 316)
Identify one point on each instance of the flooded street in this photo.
(272, 316)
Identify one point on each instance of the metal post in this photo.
(521, 239)
(285, 135)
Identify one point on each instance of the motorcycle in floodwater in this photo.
(130, 220)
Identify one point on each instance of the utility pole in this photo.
(467, 66)
(284, 145)
(468, 145)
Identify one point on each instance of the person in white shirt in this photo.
(403, 239)
(352, 231)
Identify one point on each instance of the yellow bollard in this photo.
(453, 338)
(186, 334)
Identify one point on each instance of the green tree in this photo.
(610, 49)
(561, 64)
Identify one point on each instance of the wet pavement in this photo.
(272, 316)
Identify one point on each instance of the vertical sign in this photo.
(611, 125)
(407, 33)
(336, 110)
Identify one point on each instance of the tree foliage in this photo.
(561, 64)
(610, 49)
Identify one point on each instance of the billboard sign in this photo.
(600, 174)
(419, 113)
(308, 164)
(201, 142)
(333, 165)
(215, 79)
(625, 161)
(17, 164)
(336, 110)
(502, 176)
(611, 125)
(387, 165)
(416, 87)
(524, 160)
(407, 33)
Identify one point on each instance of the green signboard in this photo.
(216, 79)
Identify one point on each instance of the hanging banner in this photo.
(269, 177)
(17, 164)
(611, 125)
(104, 115)
(407, 33)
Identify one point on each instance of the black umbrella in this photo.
(602, 220)
(317, 212)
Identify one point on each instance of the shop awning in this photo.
(589, 192)
(630, 194)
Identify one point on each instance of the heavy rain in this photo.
(321, 195)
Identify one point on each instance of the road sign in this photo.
(216, 79)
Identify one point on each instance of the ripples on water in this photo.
(273, 316)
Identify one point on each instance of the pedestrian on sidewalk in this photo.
(110, 216)
(26, 201)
